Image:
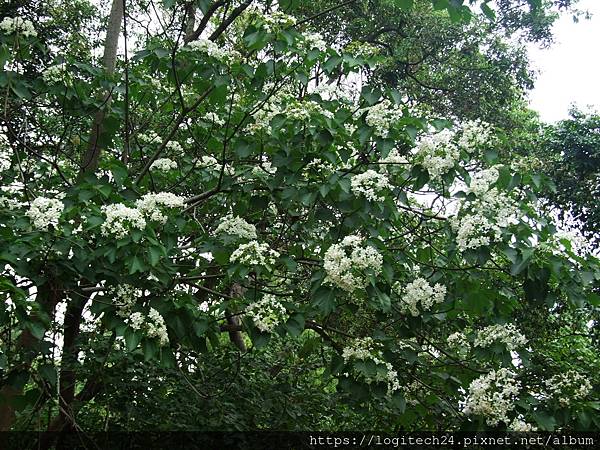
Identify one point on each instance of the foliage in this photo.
(352, 248)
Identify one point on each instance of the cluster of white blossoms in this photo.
(55, 74)
(370, 184)
(153, 325)
(44, 212)
(291, 108)
(492, 396)
(520, 426)
(19, 25)
(266, 313)
(125, 297)
(213, 50)
(437, 153)
(507, 334)
(382, 116)
(152, 205)
(273, 21)
(346, 263)
(163, 164)
(487, 216)
(333, 91)
(474, 134)
(568, 387)
(419, 296)
(175, 147)
(366, 349)
(482, 181)
(210, 162)
(255, 254)
(120, 219)
(150, 137)
(263, 167)
(459, 343)
(214, 118)
(314, 40)
(319, 166)
(236, 226)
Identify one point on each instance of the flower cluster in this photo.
(236, 226)
(370, 184)
(175, 147)
(213, 50)
(520, 426)
(382, 116)
(458, 342)
(163, 164)
(474, 134)
(125, 297)
(55, 74)
(506, 334)
(254, 254)
(482, 181)
(293, 109)
(348, 263)
(19, 25)
(153, 325)
(275, 20)
(266, 313)
(150, 137)
(314, 40)
(152, 205)
(366, 349)
(119, 219)
(419, 296)
(492, 396)
(487, 216)
(45, 212)
(214, 118)
(393, 158)
(438, 153)
(568, 387)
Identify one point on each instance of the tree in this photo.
(245, 183)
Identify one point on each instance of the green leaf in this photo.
(150, 348)
(544, 420)
(132, 339)
(48, 373)
(136, 265)
(154, 255)
(489, 12)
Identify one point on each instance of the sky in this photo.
(568, 70)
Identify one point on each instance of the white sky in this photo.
(568, 70)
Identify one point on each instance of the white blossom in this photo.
(437, 153)
(163, 164)
(125, 297)
(521, 426)
(19, 25)
(213, 50)
(55, 74)
(45, 212)
(348, 263)
(482, 181)
(255, 254)
(120, 219)
(419, 296)
(152, 205)
(236, 226)
(474, 134)
(366, 349)
(382, 117)
(492, 396)
(370, 184)
(266, 313)
(507, 334)
(214, 119)
(568, 387)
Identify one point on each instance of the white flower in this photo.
(382, 116)
(506, 334)
(419, 296)
(157, 328)
(119, 219)
(175, 147)
(521, 426)
(568, 387)
(214, 119)
(437, 153)
(18, 25)
(136, 320)
(393, 159)
(125, 297)
(370, 184)
(458, 342)
(348, 263)
(149, 137)
(236, 226)
(482, 181)
(474, 134)
(254, 254)
(213, 50)
(45, 212)
(163, 164)
(492, 396)
(366, 349)
(152, 205)
(314, 40)
(55, 74)
(266, 313)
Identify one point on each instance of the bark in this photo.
(235, 336)
(89, 162)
